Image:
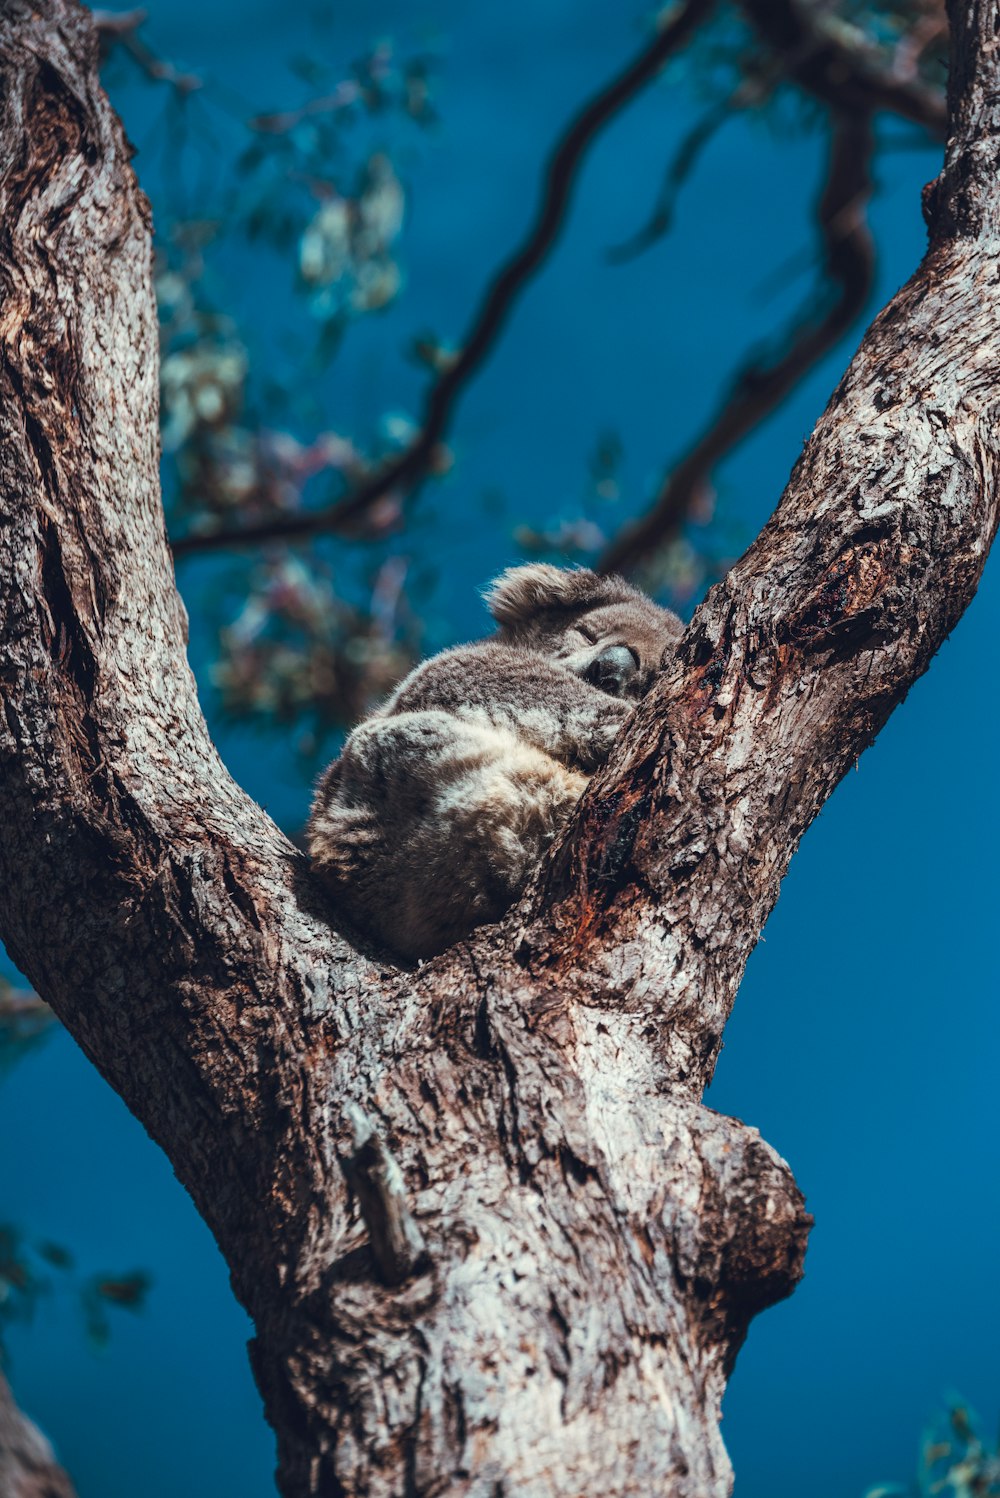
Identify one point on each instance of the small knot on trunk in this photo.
(374, 1176)
(745, 1250)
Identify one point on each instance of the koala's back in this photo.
(431, 819)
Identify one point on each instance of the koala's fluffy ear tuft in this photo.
(521, 593)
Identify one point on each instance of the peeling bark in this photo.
(530, 1269)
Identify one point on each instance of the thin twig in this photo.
(343, 97)
(120, 28)
(678, 170)
(407, 471)
(749, 92)
(849, 262)
(837, 66)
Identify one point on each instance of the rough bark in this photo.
(28, 1468)
(491, 1240)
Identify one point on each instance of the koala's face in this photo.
(618, 647)
(602, 629)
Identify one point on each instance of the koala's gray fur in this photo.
(444, 799)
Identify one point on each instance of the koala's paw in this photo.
(602, 732)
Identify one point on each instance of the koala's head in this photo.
(601, 628)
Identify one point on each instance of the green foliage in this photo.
(21, 1283)
(31, 1271)
(100, 1293)
(300, 655)
(24, 1023)
(955, 1461)
(310, 638)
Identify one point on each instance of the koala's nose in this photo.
(615, 670)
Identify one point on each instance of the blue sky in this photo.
(864, 1044)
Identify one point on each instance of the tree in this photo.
(490, 1237)
(28, 1468)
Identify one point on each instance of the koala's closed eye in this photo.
(443, 801)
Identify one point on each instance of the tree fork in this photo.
(570, 1245)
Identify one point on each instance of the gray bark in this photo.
(490, 1237)
(28, 1467)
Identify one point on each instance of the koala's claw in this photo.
(596, 745)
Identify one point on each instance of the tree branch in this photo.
(596, 1240)
(849, 263)
(834, 62)
(409, 469)
(28, 1468)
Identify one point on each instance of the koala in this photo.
(444, 799)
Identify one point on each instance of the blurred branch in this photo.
(408, 470)
(342, 97)
(801, 46)
(119, 28)
(835, 62)
(366, 86)
(927, 31)
(849, 262)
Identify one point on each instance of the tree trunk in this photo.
(28, 1468)
(491, 1239)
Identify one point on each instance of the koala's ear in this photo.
(522, 592)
